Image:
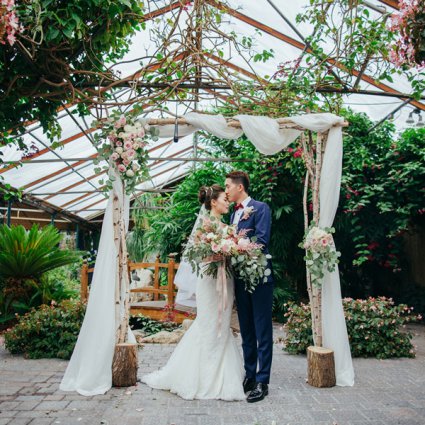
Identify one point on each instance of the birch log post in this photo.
(320, 361)
(316, 307)
(124, 364)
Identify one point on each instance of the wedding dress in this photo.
(206, 364)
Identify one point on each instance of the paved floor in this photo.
(387, 392)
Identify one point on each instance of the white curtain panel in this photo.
(89, 371)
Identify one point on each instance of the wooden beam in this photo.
(392, 3)
(72, 201)
(161, 11)
(62, 170)
(88, 206)
(65, 189)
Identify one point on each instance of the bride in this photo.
(206, 364)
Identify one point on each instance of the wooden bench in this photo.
(163, 306)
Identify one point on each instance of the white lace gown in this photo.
(205, 364)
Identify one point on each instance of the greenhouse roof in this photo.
(60, 176)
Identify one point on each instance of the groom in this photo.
(254, 309)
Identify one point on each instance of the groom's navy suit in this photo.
(255, 310)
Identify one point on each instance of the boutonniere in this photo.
(247, 212)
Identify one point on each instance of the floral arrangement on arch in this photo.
(125, 149)
(9, 22)
(320, 250)
(409, 24)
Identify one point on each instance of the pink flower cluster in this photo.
(127, 143)
(317, 239)
(224, 240)
(9, 22)
(404, 23)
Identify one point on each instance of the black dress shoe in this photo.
(258, 393)
(248, 384)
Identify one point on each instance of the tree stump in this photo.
(124, 365)
(320, 367)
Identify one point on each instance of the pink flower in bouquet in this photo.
(227, 245)
(141, 133)
(243, 243)
(114, 156)
(128, 145)
(126, 162)
(215, 247)
(121, 168)
(118, 143)
(131, 153)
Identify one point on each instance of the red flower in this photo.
(373, 245)
(298, 153)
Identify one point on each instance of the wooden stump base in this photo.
(124, 365)
(320, 367)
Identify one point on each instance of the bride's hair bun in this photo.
(208, 193)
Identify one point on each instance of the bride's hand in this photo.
(214, 258)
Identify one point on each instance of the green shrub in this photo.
(48, 332)
(374, 326)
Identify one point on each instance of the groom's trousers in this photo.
(255, 320)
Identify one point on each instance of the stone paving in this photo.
(386, 392)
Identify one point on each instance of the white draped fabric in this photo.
(89, 370)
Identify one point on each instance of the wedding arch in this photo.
(106, 322)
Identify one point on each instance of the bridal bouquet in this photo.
(320, 252)
(215, 244)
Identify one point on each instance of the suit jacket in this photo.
(258, 224)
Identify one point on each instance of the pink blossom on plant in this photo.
(121, 168)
